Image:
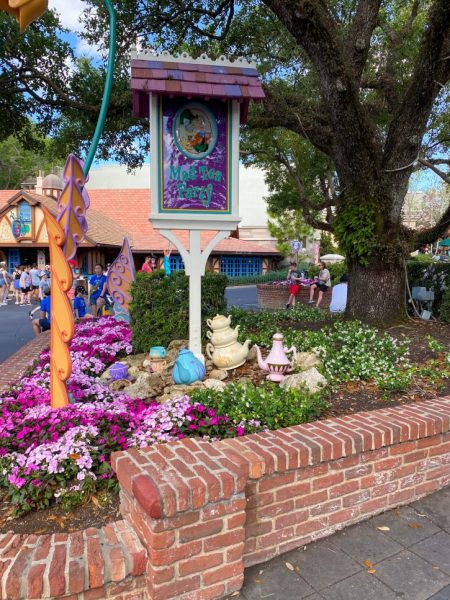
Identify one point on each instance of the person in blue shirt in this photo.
(79, 304)
(43, 324)
(97, 290)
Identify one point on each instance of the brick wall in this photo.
(12, 368)
(205, 511)
(86, 565)
(272, 296)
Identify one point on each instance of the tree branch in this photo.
(432, 234)
(360, 33)
(431, 70)
(431, 165)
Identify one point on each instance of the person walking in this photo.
(16, 282)
(25, 286)
(4, 284)
(35, 281)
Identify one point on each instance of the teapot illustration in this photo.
(187, 368)
(224, 349)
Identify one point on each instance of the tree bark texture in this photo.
(376, 292)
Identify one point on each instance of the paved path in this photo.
(15, 329)
(243, 296)
(410, 558)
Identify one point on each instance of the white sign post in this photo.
(195, 107)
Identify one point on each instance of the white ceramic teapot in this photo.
(224, 350)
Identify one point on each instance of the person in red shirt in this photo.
(147, 267)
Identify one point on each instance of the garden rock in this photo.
(174, 348)
(106, 375)
(311, 379)
(119, 384)
(219, 374)
(306, 360)
(145, 386)
(134, 360)
(177, 391)
(134, 371)
(215, 384)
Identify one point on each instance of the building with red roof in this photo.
(113, 214)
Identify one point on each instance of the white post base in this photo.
(195, 263)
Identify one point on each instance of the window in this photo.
(238, 266)
(24, 212)
(176, 263)
(13, 259)
(85, 265)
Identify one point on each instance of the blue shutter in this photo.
(241, 266)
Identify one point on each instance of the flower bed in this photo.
(64, 454)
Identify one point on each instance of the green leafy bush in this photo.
(444, 311)
(160, 307)
(269, 405)
(261, 325)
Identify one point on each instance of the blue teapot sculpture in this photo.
(187, 368)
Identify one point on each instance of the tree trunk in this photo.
(376, 292)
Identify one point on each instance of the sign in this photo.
(296, 246)
(194, 158)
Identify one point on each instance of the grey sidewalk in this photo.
(409, 558)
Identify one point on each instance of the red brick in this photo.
(224, 508)
(96, 565)
(95, 594)
(415, 456)
(163, 575)
(148, 496)
(258, 528)
(263, 499)
(272, 540)
(235, 553)
(443, 448)
(341, 516)
(201, 563)
(200, 530)
(427, 487)
(16, 573)
(435, 440)
(359, 471)
(175, 589)
(177, 522)
(292, 518)
(57, 569)
(402, 472)
(226, 539)
(236, 521)
(404, 448)
(212, 592)
(310, 526)
(374, 505)
(442, 471)
(35, 581)
(275, 509)
(276, 481)
(345, 463)
(374, 455)
(344, 488)
(198, 492)
(400, 497)
(388, 463)
(311, 472)
(357, 498)
(110, 534)
(117, 564)
(297, 489)
(42, 550)
(375, 479)
(76, 577)
(172, 555)
(322, 509)
(223, 573)
(384, 489)
(311, 499)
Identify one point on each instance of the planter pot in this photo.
(273, 296)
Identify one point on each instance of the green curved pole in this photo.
(107, 90)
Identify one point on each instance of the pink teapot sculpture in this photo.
(277, 363)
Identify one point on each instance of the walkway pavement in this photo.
(15, 328)
(402, 554)
(244, 296)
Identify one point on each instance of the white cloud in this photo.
(69, 12)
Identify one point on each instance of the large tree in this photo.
(362, 85)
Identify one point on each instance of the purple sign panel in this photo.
(194, 171)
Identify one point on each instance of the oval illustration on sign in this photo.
(16, 228)
(195, 130)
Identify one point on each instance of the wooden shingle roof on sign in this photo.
(165, 74)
